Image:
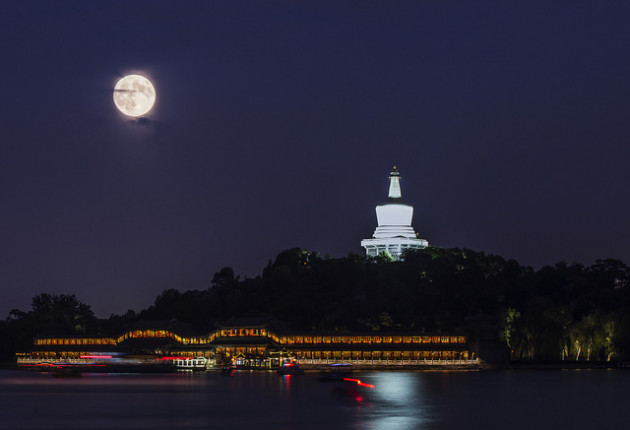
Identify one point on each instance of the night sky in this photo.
(276, 126)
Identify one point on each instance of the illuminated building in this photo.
(254, 344)
(394, 233)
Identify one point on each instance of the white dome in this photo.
(394, 234)
(394, 214)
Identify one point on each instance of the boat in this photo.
(67, 372)
(336, 373)
(290, 369)
(191, 364)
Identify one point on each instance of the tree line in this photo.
(559, 312)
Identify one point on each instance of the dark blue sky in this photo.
(277, 124)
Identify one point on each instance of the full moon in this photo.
(134, 95)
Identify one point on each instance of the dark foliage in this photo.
(558, 312)
(59, 314)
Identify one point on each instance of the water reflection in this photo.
(287, 383)
(399, 400)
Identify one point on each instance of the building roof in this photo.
(268, 322)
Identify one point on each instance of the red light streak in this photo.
(359, 383)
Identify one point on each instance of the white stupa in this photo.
(394, 233)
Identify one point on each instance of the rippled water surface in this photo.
(261, 400)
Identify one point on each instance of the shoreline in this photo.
(311, 368)
(571, 365)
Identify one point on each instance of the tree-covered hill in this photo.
(564, 311)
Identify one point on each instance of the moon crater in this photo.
(134, 95)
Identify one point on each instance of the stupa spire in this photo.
(394, 234)
(394, 184)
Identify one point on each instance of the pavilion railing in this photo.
(410, 362)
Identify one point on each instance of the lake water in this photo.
(575, 399)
